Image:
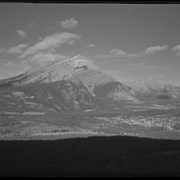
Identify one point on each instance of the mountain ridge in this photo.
(71, 84)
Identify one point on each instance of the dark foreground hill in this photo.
(93, 156)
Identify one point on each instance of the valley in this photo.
(74, 98)
(158, 124)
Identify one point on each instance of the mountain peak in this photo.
(79, 61)
(55, 71)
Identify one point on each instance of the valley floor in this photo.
(158, 124)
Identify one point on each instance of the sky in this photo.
(128, 41)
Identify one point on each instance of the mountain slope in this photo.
(72, 84)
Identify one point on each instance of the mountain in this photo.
(154, 91)
(72, 84)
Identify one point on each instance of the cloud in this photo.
(68, 23)
(21, 33)
(177, 48)
(50, 43)
(71, 42)
(117, 52)
(154, 49)
(44, 57)
(120, 53)
(91, 45)
(17, 49)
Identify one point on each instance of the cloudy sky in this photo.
(128, 41)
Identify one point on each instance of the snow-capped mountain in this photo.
(73, 84)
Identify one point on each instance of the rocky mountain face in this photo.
(73, 84)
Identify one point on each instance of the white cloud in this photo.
(91, 45)
(154, 49)
(150, 50)
(177, 48)
(21, 33)
(71, 42)
(117, 52)
(120, 53)
(17, 49)
(50, 43)
(68, 23)
(44, 57)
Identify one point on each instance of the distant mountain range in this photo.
(76, 84)
(154, 91)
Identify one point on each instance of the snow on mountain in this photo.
(73, 84)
